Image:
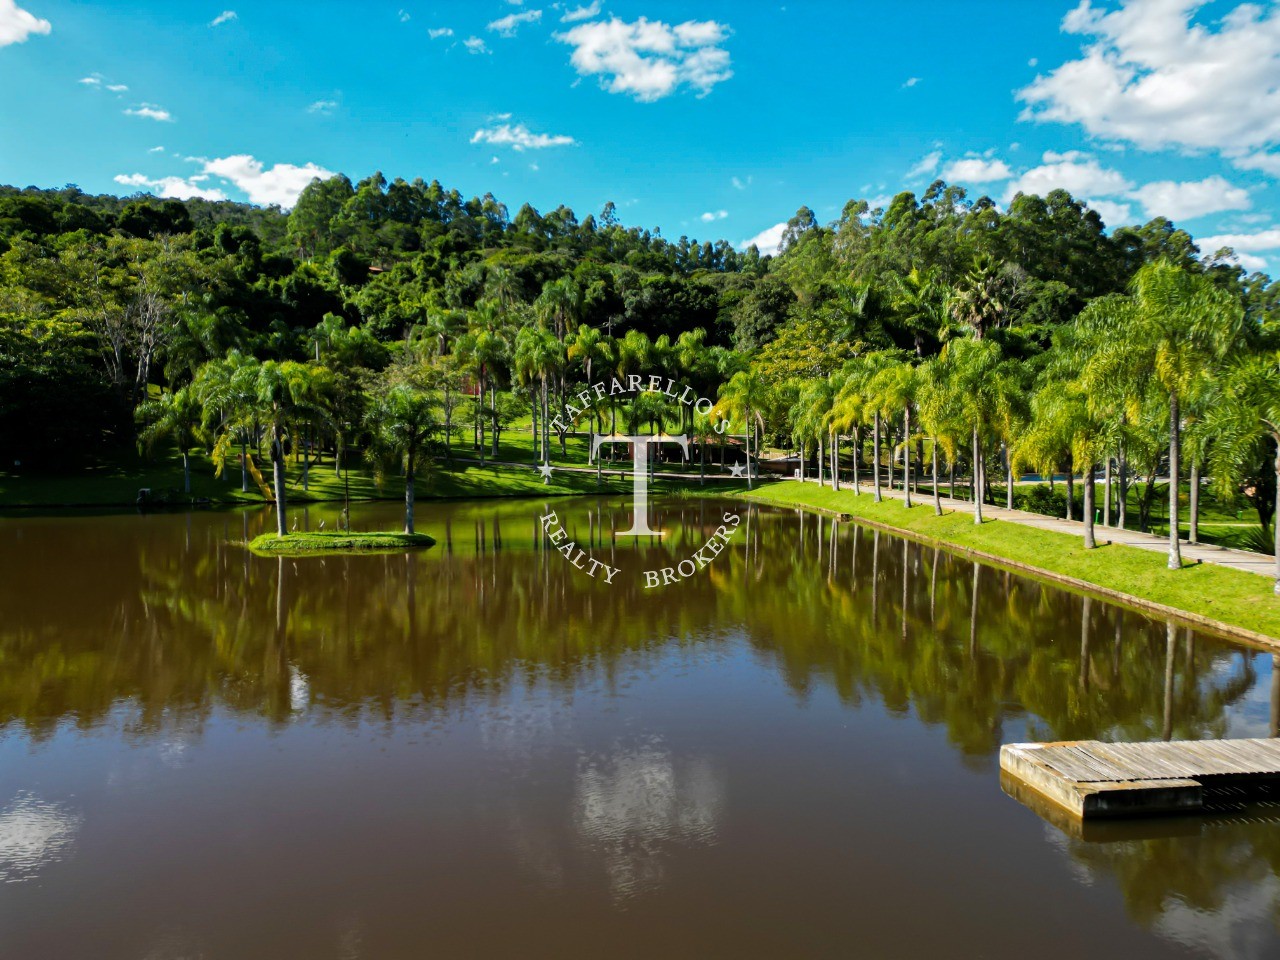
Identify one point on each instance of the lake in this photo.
(481, 750)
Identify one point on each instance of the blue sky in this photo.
(705, 118)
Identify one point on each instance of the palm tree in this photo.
(941, 415)
(402, 419)
(177, 414)
(284, 396)
(984, 298)
(970, 369)
(744, 398)
(227, 391)
(1246, 422)
(895, 388)
(1169, 334)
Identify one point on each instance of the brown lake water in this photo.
(481, 751)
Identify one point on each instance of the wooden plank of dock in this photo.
(1089, 778)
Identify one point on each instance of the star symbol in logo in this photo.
(545, 470)
(737, 469)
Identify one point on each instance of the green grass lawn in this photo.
(1233, 597)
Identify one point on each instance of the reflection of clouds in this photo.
(33, 834)
(631, 804)
(1241, 928)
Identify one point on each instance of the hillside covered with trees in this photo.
(932, 337)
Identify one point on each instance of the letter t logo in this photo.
(640, 488)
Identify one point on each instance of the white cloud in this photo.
(650, 59)
(519, 137)
(910, 82)
(739, 183)
(117, 87)
(438, 32)
(17, 24)
(404, 16)
(1150, 76)
(279, 184)
(172, 188)
(1190, 199)
(581, 13)
(977, 170)
(93, 80)
(1113, 214)
(156, 150)
(324, 107)
(151, 112)
(508, 25)
(1246, 242)
(475, 45)
(226, 16)
(768, 240)
(713, 215)
(1079, 174)
(1266, 162)
(925, 166)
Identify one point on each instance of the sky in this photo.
(714, 120)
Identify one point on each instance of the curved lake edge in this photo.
(1221, 628)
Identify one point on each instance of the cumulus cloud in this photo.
(1247, 242)
(768, 240)
(925, 166)
(581, 13)
(508, 25)
(1191, 199)
(713, 215)
(1150, 76)
(650, 59)
(977, 170)
(172, 188)
(93, 80)
(279, 184)
(1113, 213)
(474, 45)
(436, 33)
(910, 82)
(519, 137)
(323, 107)
(17, 24)
(117, 87)
(1075, 172)
(226, 16)
(150, 111)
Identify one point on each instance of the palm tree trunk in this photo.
(1193, 532)
(1106, 492)
(1089, 495)
(857, 454)
(875, 455)
(408, 491)
(244, 464)
(977, 476)
(822, 471)
(800, 459)
(937, 494)
(1276, 520)
(277, 471)
(747, 441)
(906, 456)
(1071, 490)
(1122, 491)
(1008, 478)
(186, 472)
(1175, 549)
(835, 461)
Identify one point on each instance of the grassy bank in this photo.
(1231, 597)
(337, 542)
(116, 483)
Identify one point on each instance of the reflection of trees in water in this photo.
(178, 624)
(172, 620)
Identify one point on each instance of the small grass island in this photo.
(338, 542)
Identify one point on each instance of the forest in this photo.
(937, 338)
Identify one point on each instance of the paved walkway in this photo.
(1223, 556)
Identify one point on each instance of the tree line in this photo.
(939, 336)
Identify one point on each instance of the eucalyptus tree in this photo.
(178, 415)
(1246, 424)
(1169, 336)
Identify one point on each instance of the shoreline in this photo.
(1239, 623)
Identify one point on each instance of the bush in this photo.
(1040, 499)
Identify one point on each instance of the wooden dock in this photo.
(1091, 779)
